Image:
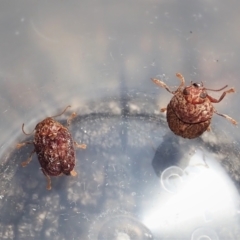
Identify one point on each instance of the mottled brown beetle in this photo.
(54, 147)
(190, 110)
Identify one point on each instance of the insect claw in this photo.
(231, 90)
(163, 109)
(232, 121)
(179, 75)
(24, 164)
(82, 146)
(73, 173)
(19, 145)
(49, 187)
(159, 83)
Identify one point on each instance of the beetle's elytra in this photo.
(190, 110)
(54, 147)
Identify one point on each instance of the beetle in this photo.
(190, 110)
(54, 147)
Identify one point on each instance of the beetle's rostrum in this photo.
(190, 110)
(54, 147)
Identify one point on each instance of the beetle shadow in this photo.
(167, 154)
(177, 151)
(173, 151)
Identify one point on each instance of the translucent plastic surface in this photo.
(136, 179)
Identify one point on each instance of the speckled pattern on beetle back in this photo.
(183, 129)
(190, 112)
(54, 147)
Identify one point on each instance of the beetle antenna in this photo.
(217, 89)
(25, 132)
(62, 112)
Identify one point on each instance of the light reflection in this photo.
(205, 196)
(204, 234)
(171, 178)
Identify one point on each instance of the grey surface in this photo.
(99, 57)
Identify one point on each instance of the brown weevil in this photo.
(54, 146)
(190, 110)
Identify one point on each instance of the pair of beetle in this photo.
(189, 114)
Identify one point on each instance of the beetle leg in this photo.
(227, 117)
(162, 84)
(25, 163)
(48, 180)
(163, 109)
(19, 145)
(73, 115)
(209, 129)
(73, 173)
(231, 90)
(180, 76)
(82, 146)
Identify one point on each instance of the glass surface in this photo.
(136, 179)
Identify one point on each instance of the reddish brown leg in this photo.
(73, 173)
(25, 163)
(19, 145)
(82, 146)
(227, 117)
(163, 109)
(231, 90)
(48, 180)
(180, 76)
(164, 85)
(73, 115)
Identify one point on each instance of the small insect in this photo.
(190, 110)
(54, 147)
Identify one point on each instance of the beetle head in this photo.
(195, 93)
(46, 122)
